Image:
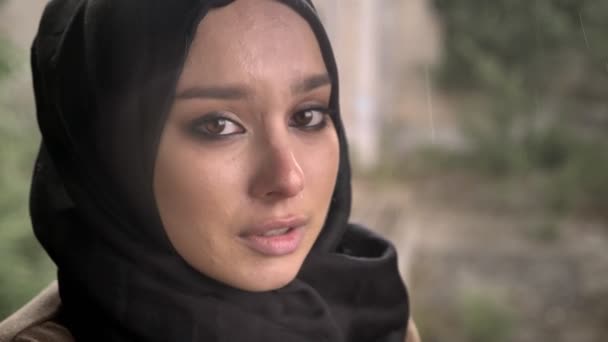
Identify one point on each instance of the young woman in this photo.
(193, 181)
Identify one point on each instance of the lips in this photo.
(276, 237)
(276, 232)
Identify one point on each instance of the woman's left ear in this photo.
(412, 332)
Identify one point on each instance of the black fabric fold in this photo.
(104, 77)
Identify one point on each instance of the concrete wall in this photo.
(385, 51)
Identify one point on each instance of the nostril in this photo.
(287, 186)
(279, 174)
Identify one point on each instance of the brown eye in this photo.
(213, 126)
(310, 119)
(303, 118)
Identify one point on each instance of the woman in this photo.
(193, 181)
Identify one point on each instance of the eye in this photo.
(215, 126)
(310, 119)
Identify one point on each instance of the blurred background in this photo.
(479, 133)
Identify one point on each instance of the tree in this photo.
(541, 70)
(490, 43)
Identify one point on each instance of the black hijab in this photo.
(104, 74)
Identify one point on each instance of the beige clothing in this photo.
(34, 322)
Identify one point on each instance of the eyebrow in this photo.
(310, 83)
(236, 92)
(214, 92)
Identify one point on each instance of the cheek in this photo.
(321, 168)
(320, 163)
(196, 192)
(181, 181)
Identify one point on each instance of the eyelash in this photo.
(324, 111)
(196, 126)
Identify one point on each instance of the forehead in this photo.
(252, 40)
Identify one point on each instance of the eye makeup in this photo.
(214, 126)
(311, 119)
(218, 125)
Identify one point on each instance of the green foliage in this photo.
(5, 58)
(484, 319)
(491, 43)
(538, 74)
(582, 184)
(471, 315)
(24, 266)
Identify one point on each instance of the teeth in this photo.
(276, 232)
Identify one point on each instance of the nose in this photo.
(279, 174)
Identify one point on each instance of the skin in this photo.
(258, 65)
(412, 332)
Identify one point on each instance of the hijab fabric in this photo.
(104, 75)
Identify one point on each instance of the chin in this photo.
(269, 275)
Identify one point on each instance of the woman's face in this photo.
(248, 158)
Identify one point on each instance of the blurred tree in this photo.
(540, 70)
(543, 45)
(3, 55)
(4, 67)
(24, 266)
